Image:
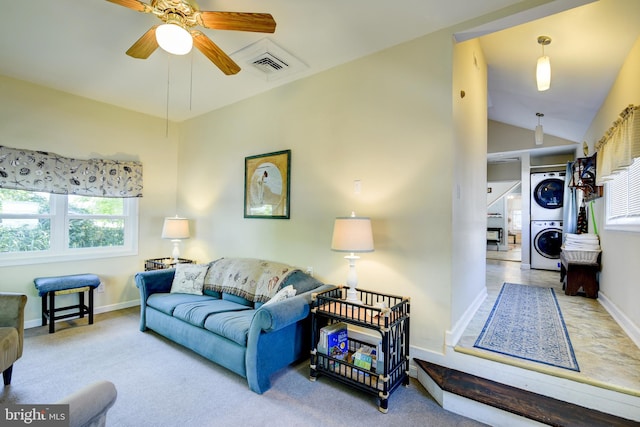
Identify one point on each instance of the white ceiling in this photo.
(588, 47)
(79, 47)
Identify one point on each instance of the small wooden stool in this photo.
(49, 287)
(576, 275)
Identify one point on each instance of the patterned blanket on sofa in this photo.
(254, 279)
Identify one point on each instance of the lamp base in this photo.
(352, 296)
(352, 280)
(176, 250)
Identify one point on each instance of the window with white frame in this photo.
(42, 227)
(623, 199)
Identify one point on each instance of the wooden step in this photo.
(527, 404)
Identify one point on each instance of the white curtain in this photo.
(51, 173)
(620, 145)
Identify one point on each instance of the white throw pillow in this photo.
(189, 278)
(283, 294)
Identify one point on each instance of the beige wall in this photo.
(469, 189)
(504, 171)
(385, 120)
(620, 270)
(504, 138)
(395, 134)
(36, 118)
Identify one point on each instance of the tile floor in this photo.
(606, 355)
(513, 254)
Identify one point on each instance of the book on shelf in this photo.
(333, 340)
(364, 357)
(374, 340)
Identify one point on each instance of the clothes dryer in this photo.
(546, 242)
(547, 192)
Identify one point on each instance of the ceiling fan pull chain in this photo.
(168, 80)
(191, 84)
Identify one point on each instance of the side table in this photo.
(162, 263)
(387, 316)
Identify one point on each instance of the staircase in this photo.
(500, 404)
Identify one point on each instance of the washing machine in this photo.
(547, 191)
(546, 240)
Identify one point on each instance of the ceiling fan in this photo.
(186, 14)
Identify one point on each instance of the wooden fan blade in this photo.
(145, 45)
(214, 53)
(133, 4)
(239, 21)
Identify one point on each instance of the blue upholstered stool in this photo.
(49, 287)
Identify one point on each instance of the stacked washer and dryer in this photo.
(547, 192)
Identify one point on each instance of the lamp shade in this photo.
(175, 228)
(352, 234)
(174, 39)
(543, 73)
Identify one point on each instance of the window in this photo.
(623, 199)
(517, 220)
(42, 227)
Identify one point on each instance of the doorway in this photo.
(504, 212)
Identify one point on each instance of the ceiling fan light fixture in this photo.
(174, 39)
(543, 67)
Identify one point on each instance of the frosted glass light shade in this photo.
(175, 228)
(352, 234)
(174, 39)
(543, 73)
(539, 135)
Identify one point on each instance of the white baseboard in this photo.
(625, 323)
(452, 336)
(36, 323)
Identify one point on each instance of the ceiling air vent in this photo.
(269, 63)
(266, 59)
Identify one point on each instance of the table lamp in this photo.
(352, 234)
(175, 229)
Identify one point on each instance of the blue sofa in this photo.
(247, 337)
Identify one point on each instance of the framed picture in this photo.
(266, 185)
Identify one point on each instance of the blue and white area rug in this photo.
(526, 323)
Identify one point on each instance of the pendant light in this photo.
(543, 68)
(539, 136)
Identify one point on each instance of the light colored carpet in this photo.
(160, 383)
(526, 322)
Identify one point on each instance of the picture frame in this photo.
(267, 183)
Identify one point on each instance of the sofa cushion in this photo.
(283, 294)
(236, 299)
(301, 281)
(233, 325)
(253, 279)
(166, 302)
(211, 293)
(197, 312)
(189, 278)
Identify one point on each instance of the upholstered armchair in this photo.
(11, 331)
(88, 407)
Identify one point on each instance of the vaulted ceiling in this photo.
(79, 47)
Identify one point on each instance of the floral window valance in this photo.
(619, 146)
(52, 173)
